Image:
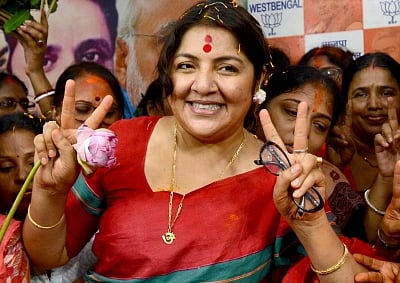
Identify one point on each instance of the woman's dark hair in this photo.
(336, 55)
(222, 14)
(24, 121)
(88, 68)
(294, 77)
(378, 59)
(279, 58)
(5, 77)
(153, 95)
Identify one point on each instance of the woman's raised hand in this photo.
(304, 172)
(340, 147)
(387, 143)
(54, 147)
(32, 35)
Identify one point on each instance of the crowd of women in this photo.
(239, 167)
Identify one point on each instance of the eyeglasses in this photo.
(331, 72)
(159, 35)
(158, 39)
(11, 103)
(84, 108)
(274, 159)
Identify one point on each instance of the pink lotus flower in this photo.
(95, 148)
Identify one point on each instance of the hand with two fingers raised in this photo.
(328, 255)
(54, 149)
(387, 143)
(304, 172)
(340, 147)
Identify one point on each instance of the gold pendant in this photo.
(168, 238)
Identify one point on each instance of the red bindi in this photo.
(207, 47)
(97, 98)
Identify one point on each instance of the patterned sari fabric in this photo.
(346, 203)
(14, 264)
(228, 231)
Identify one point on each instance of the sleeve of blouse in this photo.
(84, 206)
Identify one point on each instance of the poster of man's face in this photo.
(383, 40)
(79, 30)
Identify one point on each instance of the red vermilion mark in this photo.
(97, 98)
(9, 80)
(207, 46)
(318, 62)
(318, 98)
(373, 66)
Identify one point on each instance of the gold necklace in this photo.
(169, 236)
(234, 156)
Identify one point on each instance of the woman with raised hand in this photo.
(388, 242)
(17, 131)
(285, 89)
(367, 143)
(199, 208)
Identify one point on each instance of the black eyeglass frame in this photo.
(283, 164)
(10, 103)
(332, 72)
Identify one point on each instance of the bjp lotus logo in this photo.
(390, 8)
(272, 21)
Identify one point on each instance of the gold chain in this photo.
(234, 156)
(169, 236)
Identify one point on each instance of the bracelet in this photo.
(37, 225)
(386, 244)
(370, 205)
(48, 114)
(334, 267)
(44, 95)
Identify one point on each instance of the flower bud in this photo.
(95, 148)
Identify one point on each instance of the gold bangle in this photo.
(334, 267)
(37, 225)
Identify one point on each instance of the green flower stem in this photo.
(18, 200)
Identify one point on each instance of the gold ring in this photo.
(300, 150)
(319, 161)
